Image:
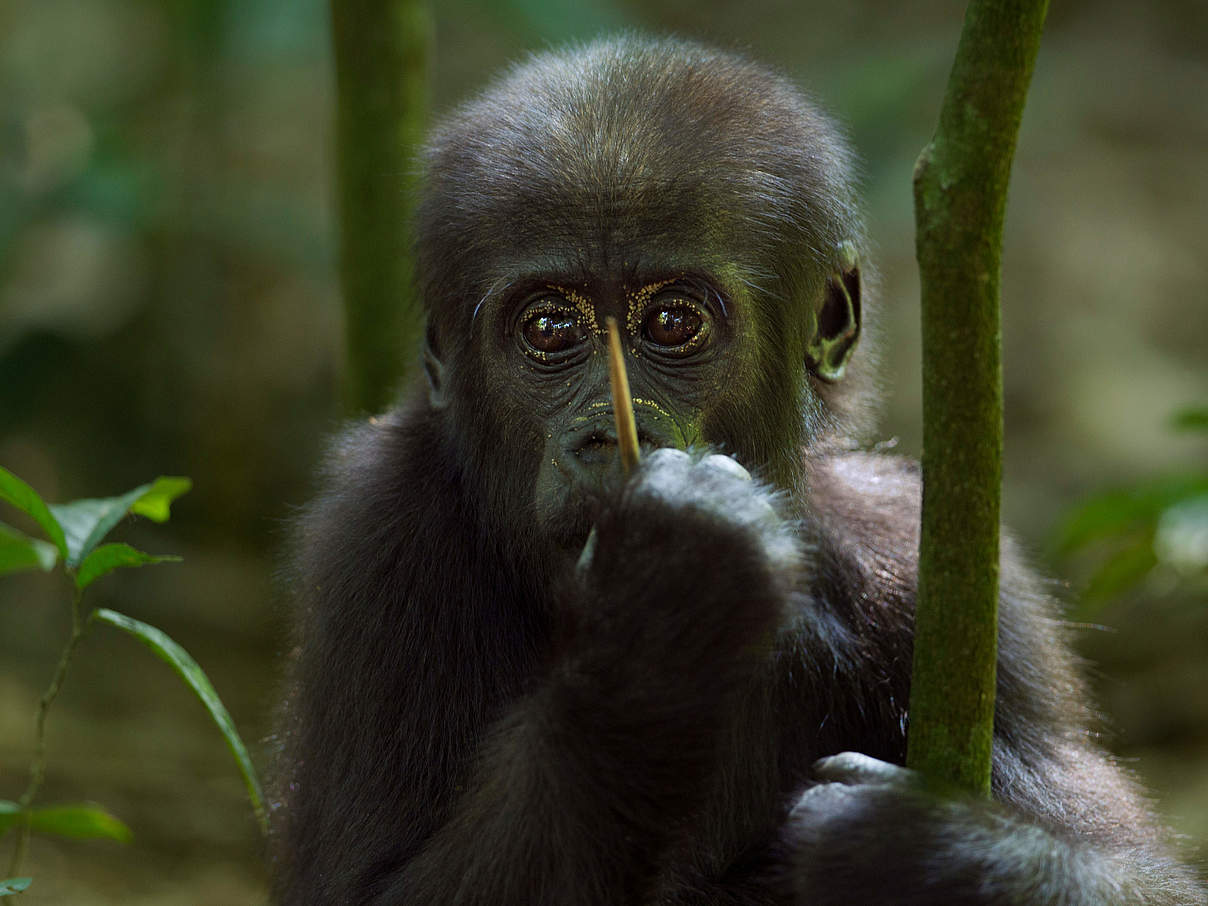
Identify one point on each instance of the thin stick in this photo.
(622, 402)
(37, 767)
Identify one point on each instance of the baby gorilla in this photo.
(524, 678)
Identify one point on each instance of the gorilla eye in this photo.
(675, 328)
(553, 331)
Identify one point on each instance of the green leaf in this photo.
(1193, 418)
(86, 522)
(108, 557)
(156, 503)
(26, 499)
(1119, 512)
(79, 821)
(19, 552)
(1119, 572)
(189, 671)
(82, 822)
(10, 814)
(14, 885)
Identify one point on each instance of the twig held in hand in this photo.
(622, 402)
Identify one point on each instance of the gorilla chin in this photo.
(565, 512)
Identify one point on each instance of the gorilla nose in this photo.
(592, 448)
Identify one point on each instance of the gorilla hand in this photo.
(875, 833)
(683, 585)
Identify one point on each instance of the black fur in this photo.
(480, 713)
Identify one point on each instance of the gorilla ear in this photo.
(838, 325)
(434, 368)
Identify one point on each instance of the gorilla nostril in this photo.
(597, 448)
(649, 441)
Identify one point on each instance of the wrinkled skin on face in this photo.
(682, 344)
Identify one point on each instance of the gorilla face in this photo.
(705, 369)
(680, 337)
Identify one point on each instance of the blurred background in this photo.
(168, 305)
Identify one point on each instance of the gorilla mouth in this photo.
(597, 446)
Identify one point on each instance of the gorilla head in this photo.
(721, 231)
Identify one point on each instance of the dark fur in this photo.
(474, 718)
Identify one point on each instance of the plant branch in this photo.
(381, 66)
(960, 193)
(37, 767)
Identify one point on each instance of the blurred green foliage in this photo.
(75, 531)
(1153, 531)
(14, 886)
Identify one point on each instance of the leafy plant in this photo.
(1130, 533)
(75, 532)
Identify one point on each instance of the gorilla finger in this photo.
(855, 768)
(726, 464)
(589, 552)
(667, 456)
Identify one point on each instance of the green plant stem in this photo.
(960, 194)
(381, 50)
(37, 767)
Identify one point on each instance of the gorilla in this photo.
(522, 676)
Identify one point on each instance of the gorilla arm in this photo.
(579, 788)
(649, 753)
(1068, 825)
